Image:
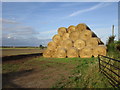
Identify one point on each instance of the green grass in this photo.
(113, 52)
(83, 74)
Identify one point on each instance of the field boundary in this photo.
(16, 57)
(106, 65)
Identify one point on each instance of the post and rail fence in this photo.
(111, 69)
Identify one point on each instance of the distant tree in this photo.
(41, 46)
(111, 40)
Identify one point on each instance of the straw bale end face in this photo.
(71, 29)
(86, 34)
(79, 44)
(74, 35)
(67, 44)
(66, 36)
(99, 50)
(72, 52)
(62, 30)
(81, 27)
(51, 45)
(86, 52)
(47, 53)
(61, 53)
(57, 38)
(92, 42)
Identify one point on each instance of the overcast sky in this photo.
(35, 23)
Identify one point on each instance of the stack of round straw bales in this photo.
(75, 41)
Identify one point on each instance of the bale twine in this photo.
(99, 50)
(67, 44)
(71, 29)
(92, 42)
(74, 35)
(86, 52)
(86, 34)
(47, 53)
(72, 52)
(57, 38)
(62, 30)
(61, 53)
(79, 44)
(65, 36)
(51, 45)
(81, 27)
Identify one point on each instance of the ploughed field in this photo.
(19, 51)
(40, 72)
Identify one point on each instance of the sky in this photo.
(35, 23)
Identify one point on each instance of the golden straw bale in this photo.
(61, 53)
(86, 34)
(51, 45)
(47, 53)
(60, 46)
(65, 36)
(54, 53)
(57, 38)
(81, 27)
(62, 30)
(99, 50)
(72, 52)
(92, 42)
(67, 44)
(71, 28)
(86, 52)
(79, 44)
(74, 35)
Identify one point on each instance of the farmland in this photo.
(43, 72)
(19, 51)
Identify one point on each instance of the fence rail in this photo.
(111, 69)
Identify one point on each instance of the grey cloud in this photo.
(24, 42)
(18, 34)
(6, 21)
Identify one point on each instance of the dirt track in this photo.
(42, 74)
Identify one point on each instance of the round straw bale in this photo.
(79, 44)
(72, 52)
(86, 34)
(57, 38)
(65, 36)
(86, 52)
(61, 53)
(51, 45)
(81, 27)
(71, 28)
(47, 53)
(60, 46)
(99, 50)
(67, 43)
(54, 53)
(74, 35)
(92, 42)
(62, 30)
